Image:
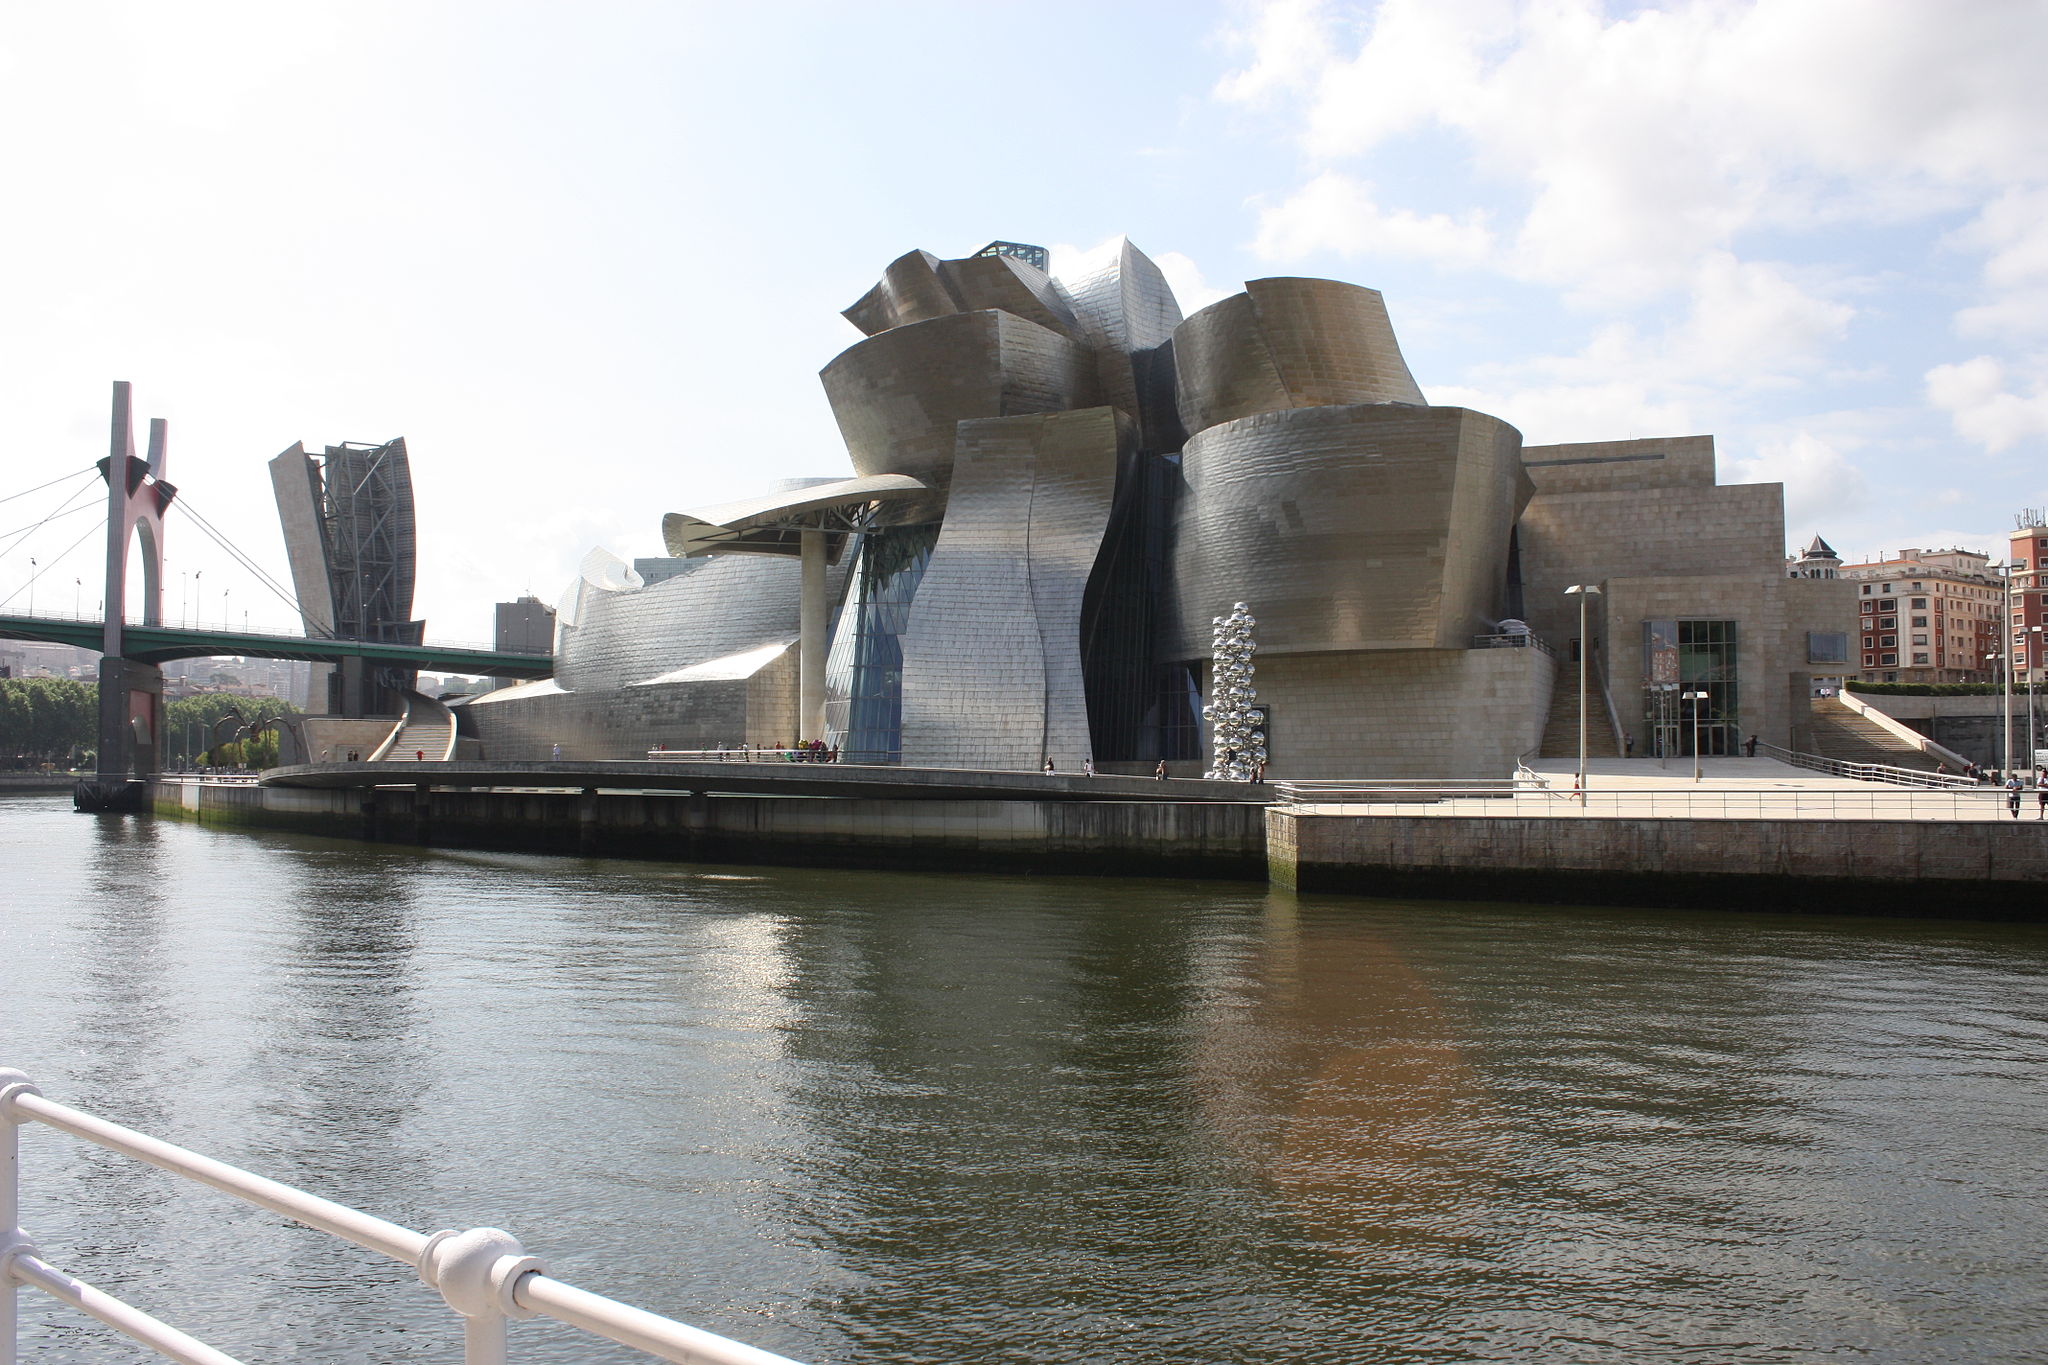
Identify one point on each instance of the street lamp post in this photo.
(1696, 698)
(2033, 658)
(1991, 661)
(31, 585)
(1582, 591)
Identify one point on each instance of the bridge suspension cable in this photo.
(219, 537)
(64, 508)
(76, 473)
(43, 569)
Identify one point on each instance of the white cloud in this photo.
(1821, 484)
(1335, 212)
(1979, 399)
(1642, 141)
(1184, 277)
(2012, 232)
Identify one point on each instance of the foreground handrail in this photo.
(483, 1274)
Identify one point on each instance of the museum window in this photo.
(1888, 660)
(1827, 647)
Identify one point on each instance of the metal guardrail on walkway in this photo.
(1867, 772)
(1672, 803)
(484, 1275)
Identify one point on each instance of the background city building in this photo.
(2026, 550)
(1927, 616)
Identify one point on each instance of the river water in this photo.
(883, 1117)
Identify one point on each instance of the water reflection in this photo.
(873, 1117)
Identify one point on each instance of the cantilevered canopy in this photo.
(774, 524)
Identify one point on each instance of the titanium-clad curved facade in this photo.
(1288, 343)
(1349, 528)
(992, 672)
(899, 396)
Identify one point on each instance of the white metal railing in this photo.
(1688, 802)
(484, 1274)
(1867, 772)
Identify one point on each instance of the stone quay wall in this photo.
(1112, 838)
(1940, 869)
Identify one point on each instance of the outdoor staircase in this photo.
(1561, 730)
(427, 728)
(1840, 733)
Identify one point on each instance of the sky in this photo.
(588, 259)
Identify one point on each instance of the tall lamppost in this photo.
(1991, 661)
(1697, 699)
(2005, 651)
(1582, 591)
(2031, 652)
(31, 585)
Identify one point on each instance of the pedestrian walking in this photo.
(1749, 749)
(1628, 746)
(419, 755)
(1159, 773)
(1048, 767)
(557, 753)
(2012, 794)
(1087, 767)
(2041, 798)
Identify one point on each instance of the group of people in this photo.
(2014, 786)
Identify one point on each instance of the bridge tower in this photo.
(131, 692)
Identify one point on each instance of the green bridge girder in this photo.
(161, 644)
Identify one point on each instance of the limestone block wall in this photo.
(1772, 614)
(991, 654)
(1589, 537)
(1404, 714)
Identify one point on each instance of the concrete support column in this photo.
(810, 715)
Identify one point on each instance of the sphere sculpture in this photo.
(1237, 743)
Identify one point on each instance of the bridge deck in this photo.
(770, 779)
(161, 644)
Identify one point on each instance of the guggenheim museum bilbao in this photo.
(1059, 483)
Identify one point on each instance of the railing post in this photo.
(477, 1272)
(13, 1240)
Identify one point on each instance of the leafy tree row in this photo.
(56, 721)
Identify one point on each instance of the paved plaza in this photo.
(1638, 788)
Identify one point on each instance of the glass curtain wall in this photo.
(864, 671)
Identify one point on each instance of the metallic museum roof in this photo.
(773, 524)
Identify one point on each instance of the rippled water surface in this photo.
(876, 1117)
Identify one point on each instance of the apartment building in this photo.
(2027, 552)
(1927, 616)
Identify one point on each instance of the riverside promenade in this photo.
(1751, 834)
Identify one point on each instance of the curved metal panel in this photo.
(1288, 343)
(910, 290)
(1121, 297)
(991, 657)
(1346, 528)
(898, 396)
(1013, 286)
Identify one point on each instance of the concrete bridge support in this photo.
(131, 692)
